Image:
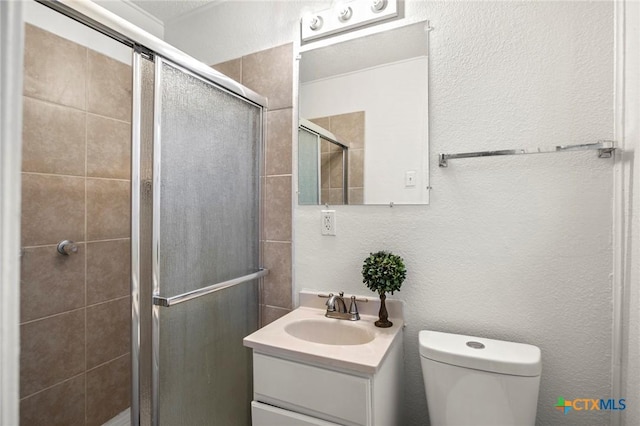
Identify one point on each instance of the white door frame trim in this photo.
(11, 76)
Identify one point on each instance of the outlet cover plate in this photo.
(328, 222)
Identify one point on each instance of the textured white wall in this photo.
(515, 248)
(235, 28)
(134, 14)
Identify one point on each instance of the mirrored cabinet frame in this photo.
(406, 41)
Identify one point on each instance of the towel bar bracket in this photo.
(605, 152)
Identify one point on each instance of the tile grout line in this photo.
(75, 376)
(276, 307)
(106, 240)
(77, 176)
(115, 299)
(102, 364)
(85, 110)
(283, 175)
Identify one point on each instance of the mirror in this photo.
(363, 134)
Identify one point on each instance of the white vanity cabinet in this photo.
(288, 392)
(312, 370)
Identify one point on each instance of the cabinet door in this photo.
(268, 415)
(318, 392)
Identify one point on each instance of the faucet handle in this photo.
(331, 303)
(353, 308)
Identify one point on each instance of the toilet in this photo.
(477, 381)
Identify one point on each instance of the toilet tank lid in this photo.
(496, 356)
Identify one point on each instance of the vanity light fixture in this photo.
(345, 16)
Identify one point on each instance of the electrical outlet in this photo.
(328, 225)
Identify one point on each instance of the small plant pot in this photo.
(383, 315)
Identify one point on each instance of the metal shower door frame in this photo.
(150, 47)
(160, 302)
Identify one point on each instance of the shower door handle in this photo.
(194, 294)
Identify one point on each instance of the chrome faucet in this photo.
(341, 313)
(331, 303)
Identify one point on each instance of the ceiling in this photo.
(167, 10)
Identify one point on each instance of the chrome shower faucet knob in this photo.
(66, 247)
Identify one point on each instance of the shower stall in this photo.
(141, 227)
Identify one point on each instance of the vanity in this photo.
(312, 370)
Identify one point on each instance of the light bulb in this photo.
(378, 5)
(315, 23)
(345, 13)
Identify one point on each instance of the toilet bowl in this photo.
(477, 381)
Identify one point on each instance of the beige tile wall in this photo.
(269, 73)
(75, 310)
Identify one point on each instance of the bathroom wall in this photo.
(75, 310)
(269, 73)
(134, 14)
(516, 248)
(246, 27)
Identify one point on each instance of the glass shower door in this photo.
(308, 167)
(205, 249)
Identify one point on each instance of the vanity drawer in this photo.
(268, 415)
(318, 392)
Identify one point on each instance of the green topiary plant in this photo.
(383, 272)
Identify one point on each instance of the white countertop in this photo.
(365, 358)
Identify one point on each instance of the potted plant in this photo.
(383, 272)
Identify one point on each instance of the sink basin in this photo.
(307, 336)
(329, 332)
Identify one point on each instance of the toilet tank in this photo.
(477, 381)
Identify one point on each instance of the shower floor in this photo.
(122, 419)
